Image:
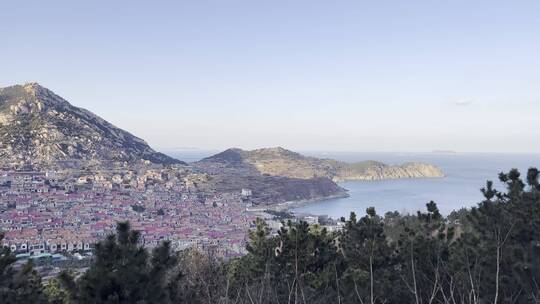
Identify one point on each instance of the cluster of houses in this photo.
(52, 212)
(47, 213)
(40, 247)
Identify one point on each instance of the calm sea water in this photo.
(465, 175)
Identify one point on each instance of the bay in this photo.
(465, 174)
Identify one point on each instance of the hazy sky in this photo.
(306, 75)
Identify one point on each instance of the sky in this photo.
(407, 76)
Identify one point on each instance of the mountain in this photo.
(285, 163)
(39, 128)
(231, 170)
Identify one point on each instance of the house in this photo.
(311, 219)
(36, 248)
(246, 192)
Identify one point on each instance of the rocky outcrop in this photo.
(39, 128)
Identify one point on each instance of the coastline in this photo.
(297, 204)
(286, 206)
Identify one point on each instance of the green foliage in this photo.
(124, 272)
(18, 285)
(55, 293)
(280, 215)
(368, 259)
(489, 254)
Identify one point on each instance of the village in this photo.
(53, 213)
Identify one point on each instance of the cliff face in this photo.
(281, 162)
(39, 128)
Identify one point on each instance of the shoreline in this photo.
(285, 206)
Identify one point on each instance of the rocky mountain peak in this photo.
(30, 98)
(38, 127)
(33, 88)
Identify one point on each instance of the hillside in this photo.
(39, 128)
(285, 163)
(230, 170)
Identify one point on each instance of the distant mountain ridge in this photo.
(282, 162)
(38, 128)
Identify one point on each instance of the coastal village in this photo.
(55, 214)
(67, 177)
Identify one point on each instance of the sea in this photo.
(465, 175)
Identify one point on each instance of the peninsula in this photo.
(281, 162)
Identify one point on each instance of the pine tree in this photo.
(124, 272)
(18, 285)
(369, 274)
